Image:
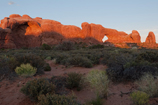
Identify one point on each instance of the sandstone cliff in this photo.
(23, 31)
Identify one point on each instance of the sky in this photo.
(122, 15)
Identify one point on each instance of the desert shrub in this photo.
(57, 100)
(150, 56)
(96, 46)
(46, 47)
(60, 83)
(99, 81)
(96, 101)
(47, 67)
(148, 84)
(116, 64)
(61, 58)
(74, 80)
(65, 46)
(79, 61)
(139, 98)
(7, 66)
(33, 59)
(48, 58)
(95, 57)
(36, 87)
(26, 70)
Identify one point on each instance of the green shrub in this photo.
(57, 100)
(7, 66)
(74, 80)
(150, 56)
(148, 84)
(96, 101)
(139, 98)
(95, 56)
(96, 46)
(99, 81)
(79, 61)
(36, 87)
(61, 58)
(34, 60)
(65, 46)
(47, 67)
(26, 70)
(60, 83)
(48, 58)
(46, 47)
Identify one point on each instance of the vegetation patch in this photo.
(55, 99)
(37, 87)
(26, 70)
(99, 81)
(139, 98)
(74, 80)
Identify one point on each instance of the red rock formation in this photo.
(17, 32)
(14, 16)
(70, 31)
(150, 38)
(135, 36)
(51, 26)
(26, 17)
(86, 30)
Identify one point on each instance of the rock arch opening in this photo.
(105, 38)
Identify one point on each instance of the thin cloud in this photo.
(11, 3)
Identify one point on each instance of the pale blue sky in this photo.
(123, 15)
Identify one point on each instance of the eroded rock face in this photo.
(70, 31)
(150, 38)
(23, 31)
(135, 36)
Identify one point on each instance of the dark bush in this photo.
(37, 87)
(95, 57)
(46, 47)
(74, 80)
(60, 83)
(7, 66)
(47, 67)
(57, 100)
(134, 73)
(79, 61)
(65, 46)
(61, 58)
(150, 56)
(33, 59)
(96, 46)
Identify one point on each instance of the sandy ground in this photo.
(10, 89)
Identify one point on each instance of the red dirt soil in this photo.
(10, 89)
